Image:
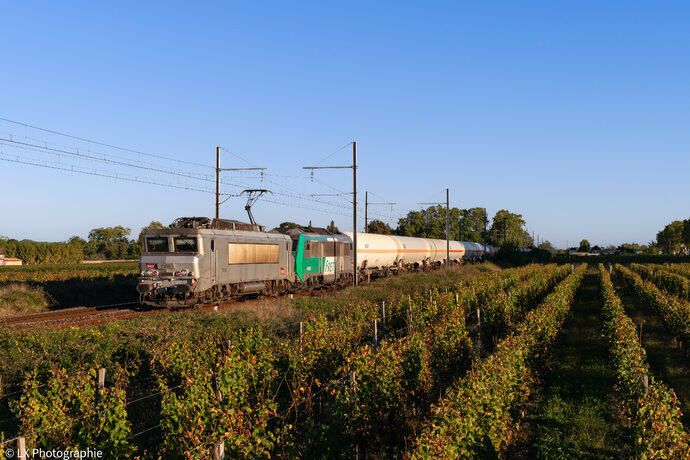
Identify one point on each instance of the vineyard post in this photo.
(21, 448)
(376, 336)
(219, 451)
(216, 387)
(100, 384)
(645, 383)
(456, 300)
(229, 343)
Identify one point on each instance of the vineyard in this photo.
(436, 367)
(31, 288)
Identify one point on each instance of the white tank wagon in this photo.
(412, 252)
(375, 251)
(382, 253)
(457, 251)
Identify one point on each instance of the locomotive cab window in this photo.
(158, 244)
(186, 244)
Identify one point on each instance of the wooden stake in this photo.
(456, 300)
(100, 384)
(645, 383)
(21, 448)
(219, 451)
(216, 387)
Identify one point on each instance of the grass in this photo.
(17, 299)
(576, 415)
(666, 360)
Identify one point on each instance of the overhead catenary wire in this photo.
(62, 150)
(90, 141)
(119, 176)
(102, 174)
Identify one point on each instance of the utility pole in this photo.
(354, 210)
(217, 180)
(366, 209)
(218, 170)
(354, 204)
(486, 223)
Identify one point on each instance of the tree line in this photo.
(104, 243)
(507, 228)
(674, 237)
(114, 243)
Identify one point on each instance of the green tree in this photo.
(109, 242)
(685, 234)
(289, 225)
(379, 227)
(471, 225)
(430, 223)
(546, 245)
(507, 227)
(584, 246)
(670, 238)
(332, 228)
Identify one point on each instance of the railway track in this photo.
(80, 316)
(76, 316)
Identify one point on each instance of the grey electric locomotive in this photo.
(197, 260)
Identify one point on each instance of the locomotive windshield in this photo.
(186, 244)
(158, 244)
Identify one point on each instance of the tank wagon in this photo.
(381, 254)
(197, 260)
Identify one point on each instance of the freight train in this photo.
(197, 260)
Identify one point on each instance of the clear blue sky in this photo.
(574, 114)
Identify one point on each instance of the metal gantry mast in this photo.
(218, 170)
(367, 203)
(354, 204)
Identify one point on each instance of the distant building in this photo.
(8, 260)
